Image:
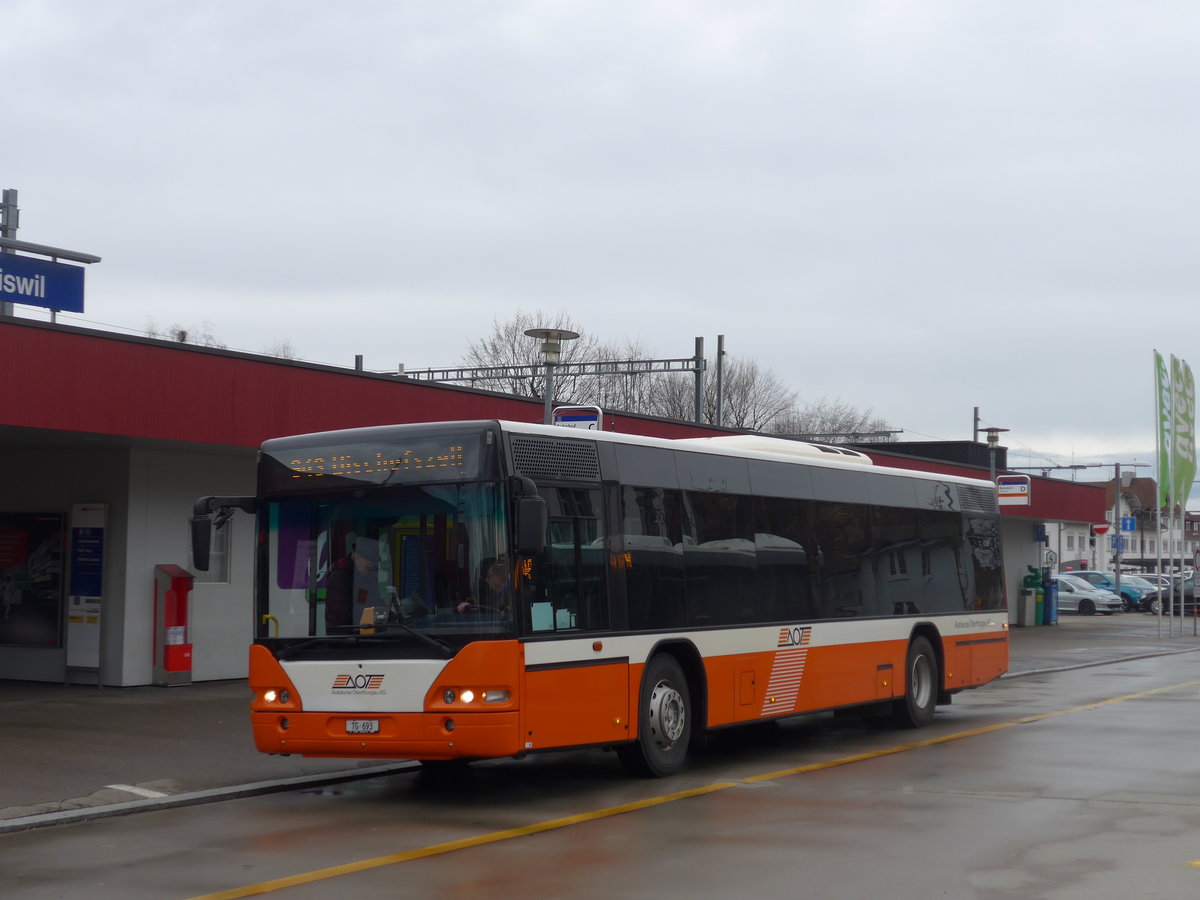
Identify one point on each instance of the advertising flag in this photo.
(1162, 377)
(1183, 430)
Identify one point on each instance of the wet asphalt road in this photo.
(1077, 782)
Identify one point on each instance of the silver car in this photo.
(1079, 596)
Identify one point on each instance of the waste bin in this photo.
(1039, 615)
(1029, 612)
(1027, 607)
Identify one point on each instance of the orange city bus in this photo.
(470, 590)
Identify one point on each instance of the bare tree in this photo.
(201, 335)
(833, 420)
(629, 392)
(508, 345)
(283, 348)
(754, 398)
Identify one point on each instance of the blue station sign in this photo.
(39, 282)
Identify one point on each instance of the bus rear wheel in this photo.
(664, 721)
(915, 708)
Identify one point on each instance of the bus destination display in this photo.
(287, 468)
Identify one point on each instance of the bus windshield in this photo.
(420, 565)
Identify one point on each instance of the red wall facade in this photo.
(69, 379)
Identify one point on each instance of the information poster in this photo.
(86, 590)
(31, 585)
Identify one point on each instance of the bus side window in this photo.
(575, 591)
(789, 560)
(848, 576)
(653, 536)
(719, 559)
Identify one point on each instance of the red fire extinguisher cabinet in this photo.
(172, 647)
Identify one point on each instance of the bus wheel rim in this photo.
(922, 681)
(668, 716)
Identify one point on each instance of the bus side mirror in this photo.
(202, 523)
(532, 520)
(201, 541)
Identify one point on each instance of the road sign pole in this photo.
(9, 219)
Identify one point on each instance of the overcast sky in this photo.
(917, 208)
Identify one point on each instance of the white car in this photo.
(1079, 596)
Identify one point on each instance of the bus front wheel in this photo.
(915, 708)
(664, 726)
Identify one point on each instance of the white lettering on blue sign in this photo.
(34, 287)
(39, 282)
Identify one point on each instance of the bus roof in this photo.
(745, 445)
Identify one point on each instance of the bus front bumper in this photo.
(432, 736)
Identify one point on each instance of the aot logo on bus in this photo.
(358, 683)
(793, 637)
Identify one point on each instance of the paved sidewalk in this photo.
(1089, 640)
(74, 752)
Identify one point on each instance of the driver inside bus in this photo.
(353, 587)
(496, 593)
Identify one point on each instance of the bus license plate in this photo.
(362, 726)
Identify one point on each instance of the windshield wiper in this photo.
(338, 639)
(429, 639)
(293, 648)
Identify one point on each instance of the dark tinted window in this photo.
(789, 562)
(728, 559)
(718, 559)
(896, 562)
(653, 562)
(847, 585)
(944, 562)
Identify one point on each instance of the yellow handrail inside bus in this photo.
(268, 618)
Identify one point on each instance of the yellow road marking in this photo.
(390, 859)
(958, 735)
(450, 846)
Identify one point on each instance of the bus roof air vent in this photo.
(973, 499)
(555, 460)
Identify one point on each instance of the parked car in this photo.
(1130, 593)
(1181, 595)
(1159, 581)
(1079, 596)
(1151, 591)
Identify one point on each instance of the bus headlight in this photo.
(451, 696)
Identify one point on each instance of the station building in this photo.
(107, 440)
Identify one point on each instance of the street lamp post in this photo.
(993, 439)
(551, 339)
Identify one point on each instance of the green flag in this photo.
(1183, 430)
(1162, 377)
